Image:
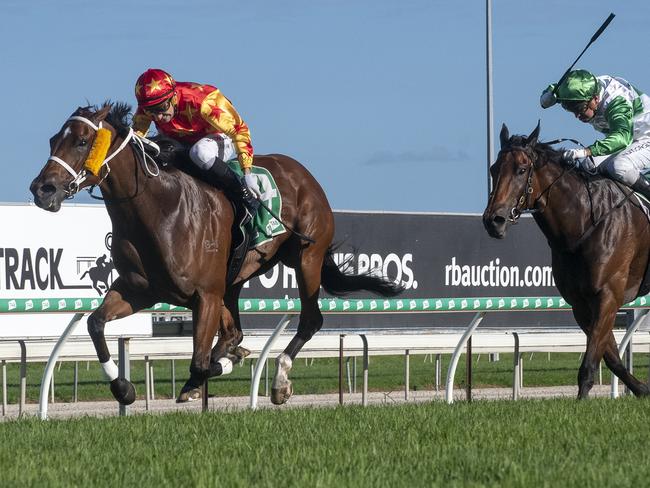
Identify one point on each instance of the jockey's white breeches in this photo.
(212, 148)
(625, 165)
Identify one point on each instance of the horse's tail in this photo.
(337, 283)
(85, 273)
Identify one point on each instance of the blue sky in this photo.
(383, 101)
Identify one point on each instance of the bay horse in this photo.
(598, 234)
(172, 239)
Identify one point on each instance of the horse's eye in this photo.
(83, 142)
(521, 171)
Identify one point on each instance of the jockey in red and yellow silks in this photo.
(203, 117)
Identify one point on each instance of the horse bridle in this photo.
(515, 211)
(80, 177)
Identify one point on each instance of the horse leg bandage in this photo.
(226, 365)
(110, 369)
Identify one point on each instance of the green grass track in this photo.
(560, 442)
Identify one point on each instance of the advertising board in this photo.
(67, 254)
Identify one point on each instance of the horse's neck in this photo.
(129, 189)
(564, 206)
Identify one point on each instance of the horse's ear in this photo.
(504, 137)
(531, 140)
(102, 113)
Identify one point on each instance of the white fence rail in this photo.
(331, 343)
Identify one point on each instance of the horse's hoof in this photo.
(279, 396)
(189, 394)
(123, 391)
(240, 353)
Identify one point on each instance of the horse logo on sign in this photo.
(101, 274)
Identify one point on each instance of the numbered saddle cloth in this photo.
(264, 225)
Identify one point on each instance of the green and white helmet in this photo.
(579, 86)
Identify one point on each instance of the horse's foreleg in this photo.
(616, 366)
(227, 352)
(311, 320)
(115, 306)
(206, 315)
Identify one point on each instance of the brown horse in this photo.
(599, 238)
(172, 239)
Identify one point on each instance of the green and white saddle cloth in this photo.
(264, 225)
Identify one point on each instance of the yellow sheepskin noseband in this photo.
(98, 151)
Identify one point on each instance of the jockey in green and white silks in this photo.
(617, 109)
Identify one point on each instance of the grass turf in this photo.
(559, 442)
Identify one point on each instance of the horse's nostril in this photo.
(47, 189)
(498, 219)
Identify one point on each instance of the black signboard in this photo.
(435, 256)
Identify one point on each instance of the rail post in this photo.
(147, 384)
(49, 367)
(341, 336)
(468, 370)
(516, 379)
(364, 394)
(4, 387)
(261, 361)
(407, 371)
(23, 377)
(449, 392)
(124, 366)
(204, 396)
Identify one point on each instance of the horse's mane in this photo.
(173, 153)
(118, 117)
(545, 152)
(548, 154)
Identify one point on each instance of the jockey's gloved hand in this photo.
(547, 99)
(573, 155)
(587, 164)
(251, 183)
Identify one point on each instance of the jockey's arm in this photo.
(217, 110)
(548, 99)
(619, 115)
(141, 124)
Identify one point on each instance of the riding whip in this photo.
(593, 39)
(291, 229)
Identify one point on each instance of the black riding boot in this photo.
(642, 186)
(221, 176)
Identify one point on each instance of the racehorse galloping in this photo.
(599, 238)
(171, 243)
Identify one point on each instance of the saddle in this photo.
(259, 229)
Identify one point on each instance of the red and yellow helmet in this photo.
(154, 86)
